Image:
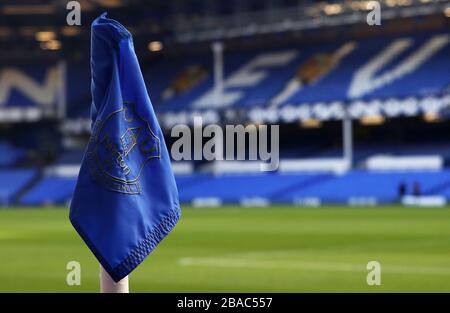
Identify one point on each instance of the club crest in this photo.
(119, 148)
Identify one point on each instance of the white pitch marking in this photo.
(240, 262)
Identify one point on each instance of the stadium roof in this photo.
(26, 24)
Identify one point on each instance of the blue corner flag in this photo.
(126, 200)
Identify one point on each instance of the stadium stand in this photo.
(391, 76)
(254, 78)
(58, 181)
(50, 190)
(12, 181)
(354, 187)
(235, 188)
(384, 68)
(357, 186)
(9, 154)
(368, 187)
(70, 157)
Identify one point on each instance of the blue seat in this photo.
(12, 181)
(382, 186)
(234, 188)
(9, 154)
(50, 190)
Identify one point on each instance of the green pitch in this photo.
(244, 250)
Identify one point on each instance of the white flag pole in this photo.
(108, 285)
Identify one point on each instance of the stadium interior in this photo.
(309, 66)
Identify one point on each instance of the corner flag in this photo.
(126, 200)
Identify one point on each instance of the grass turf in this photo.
(231, 249)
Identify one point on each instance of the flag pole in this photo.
(108, 285)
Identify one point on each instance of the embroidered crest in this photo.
(119, 148)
